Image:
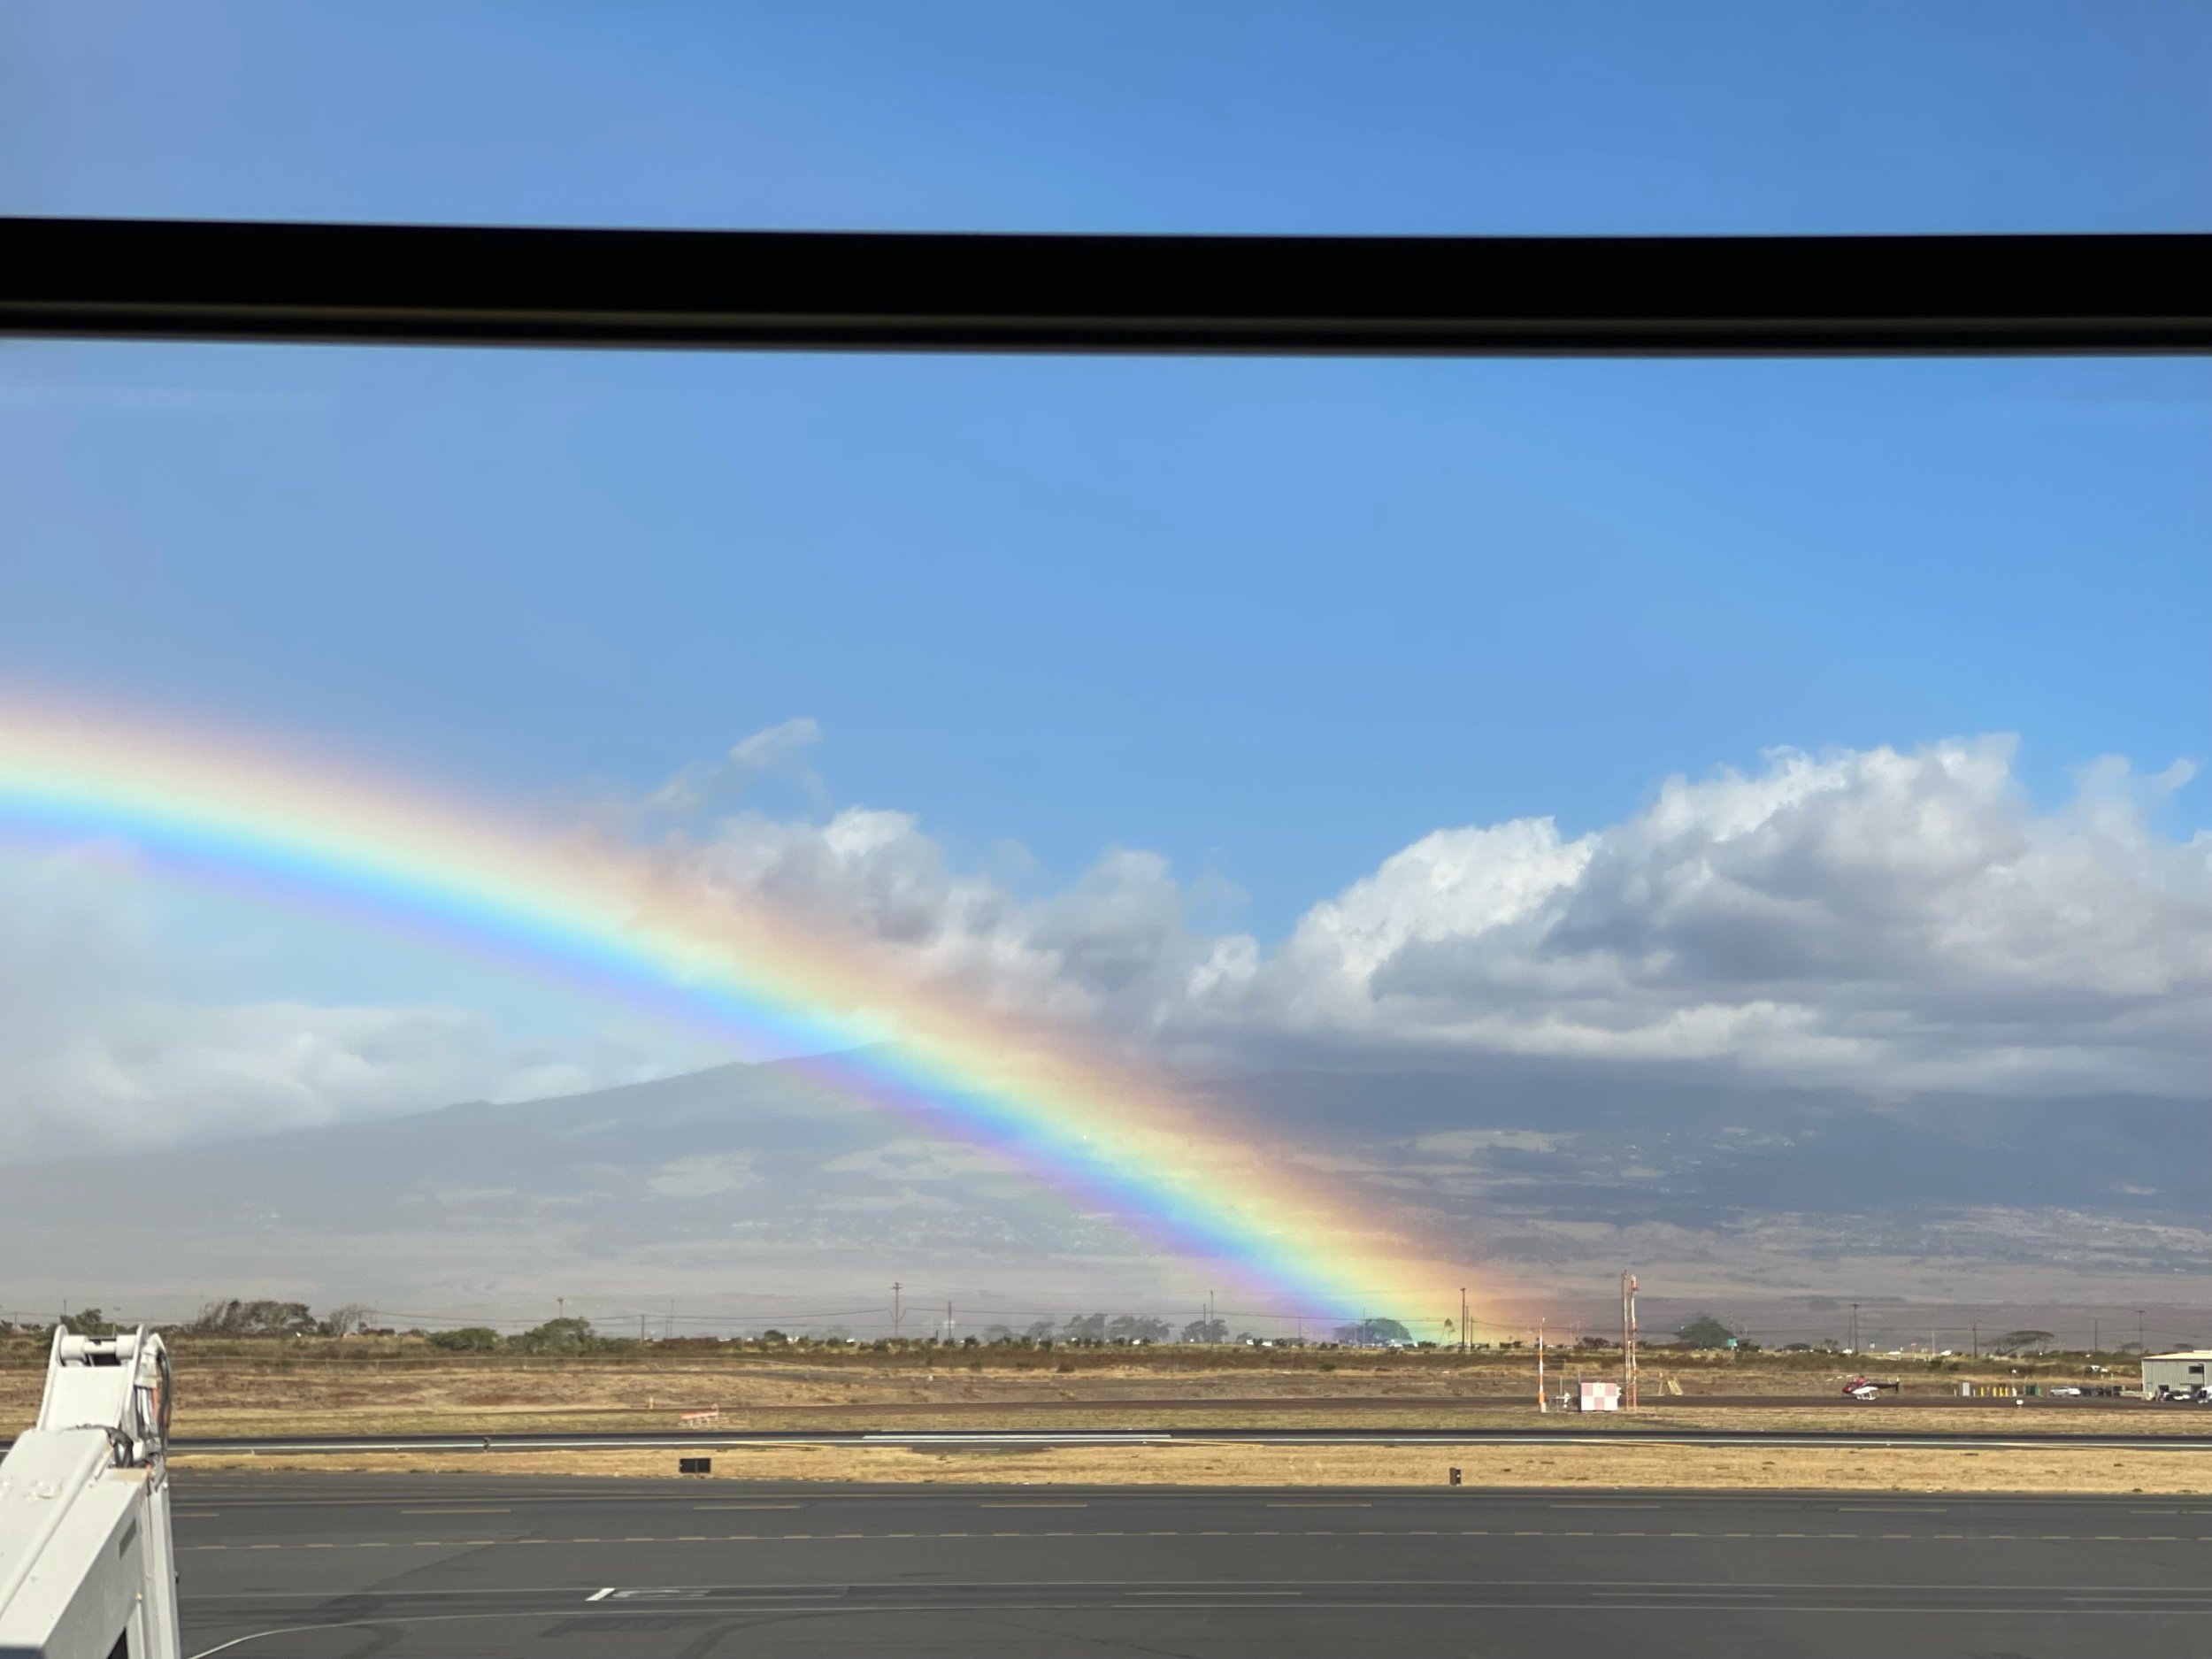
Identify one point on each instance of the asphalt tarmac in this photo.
(335, 1567)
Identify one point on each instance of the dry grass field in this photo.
(2056, 1467)
(320, 1387)
(400, 1387)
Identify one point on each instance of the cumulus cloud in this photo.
(1873, 918)
(778, 749)
(1877, 919)
(103, 1046)
(1110, 949)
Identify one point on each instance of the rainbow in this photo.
(629, 924)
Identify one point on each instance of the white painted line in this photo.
(600, 1595)
(457, 1511)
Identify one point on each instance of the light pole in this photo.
(1628, 1342)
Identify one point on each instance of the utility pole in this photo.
(2139, 1348)
(1855, 1327)
(1542, 1404)
(1977, 1329)
(1212, 1335)
(948, 1324)
(1628, 1342)
(2096, 1336)
(1462, 1318)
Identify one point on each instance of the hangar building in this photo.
(2168, 1374)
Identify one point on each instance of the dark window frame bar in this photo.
(756, 290)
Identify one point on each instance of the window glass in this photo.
(1568, 785)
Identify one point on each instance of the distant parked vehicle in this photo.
(2065, 1391)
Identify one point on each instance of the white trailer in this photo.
(87, 1568)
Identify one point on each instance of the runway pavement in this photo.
(319, 1567)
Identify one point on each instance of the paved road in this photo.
(419, 1567)
(1581, 1432)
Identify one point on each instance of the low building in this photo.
(2166, 1375)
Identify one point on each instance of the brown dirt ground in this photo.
(1872, 1469)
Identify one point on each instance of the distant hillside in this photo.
(749, 1186)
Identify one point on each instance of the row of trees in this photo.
(1090, 1330)
(1707, 1332)
(234, 1317)
(244, 1317)
(1099, 1330)
(268, 1317)
(555, 1336)
(263, 1318)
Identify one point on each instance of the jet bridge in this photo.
(88, 1568)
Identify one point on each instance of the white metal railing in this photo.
(87, 1566)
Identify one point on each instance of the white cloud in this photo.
(1872, 918)
(1113, 948)
(144, 1071)
(777, 750)
(104, 1044)
(1869, 918)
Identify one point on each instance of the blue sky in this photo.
(1762, 115)
(1274, 619)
